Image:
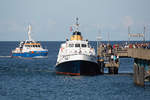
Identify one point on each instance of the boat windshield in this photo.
(32, 46)
(29, 41)
(38, 46)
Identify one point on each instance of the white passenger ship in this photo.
(76, 56)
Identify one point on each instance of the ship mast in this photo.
(77, 24)
(29, 32)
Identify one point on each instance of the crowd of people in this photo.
(110, 49)
(140, 45)
(145, 45)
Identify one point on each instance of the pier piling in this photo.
(135, 75)
(101, 65)
(112, 67)
(138, 75)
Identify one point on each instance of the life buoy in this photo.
(62, 49)
(32, 51)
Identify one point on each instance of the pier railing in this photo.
(139, 53)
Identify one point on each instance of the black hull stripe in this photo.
(79, 67)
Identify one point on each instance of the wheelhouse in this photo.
(35, 46)
(78, 45)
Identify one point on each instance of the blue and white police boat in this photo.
(30, 48)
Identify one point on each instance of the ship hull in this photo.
(34, 54)
(78, 67)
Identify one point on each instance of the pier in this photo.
(141, 64)
(105, 56)
(141, 61)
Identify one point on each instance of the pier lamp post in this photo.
(99, 38)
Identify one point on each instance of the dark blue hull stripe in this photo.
(29, 54)
(80, 67)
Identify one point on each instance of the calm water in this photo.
(35, 79)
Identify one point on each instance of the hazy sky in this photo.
(51, 19)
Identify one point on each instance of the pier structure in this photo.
(141, 65)
(141, 57)
(108, 59)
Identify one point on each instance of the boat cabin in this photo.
(29, 44)
(35, 45)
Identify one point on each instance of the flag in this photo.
(71, 29)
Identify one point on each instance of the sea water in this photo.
(35, 79)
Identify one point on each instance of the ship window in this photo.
(71, 45)
(77, 45)
(83, 45)
(76, 33)
(26, 45)
(38, 45)
(33, 45)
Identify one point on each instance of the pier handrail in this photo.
(140, 53)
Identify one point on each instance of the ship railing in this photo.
(80, 54)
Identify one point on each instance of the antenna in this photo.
(108, 37)
(128, 34)
(77, 24)
(144, 33)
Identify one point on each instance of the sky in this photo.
(51, 19)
